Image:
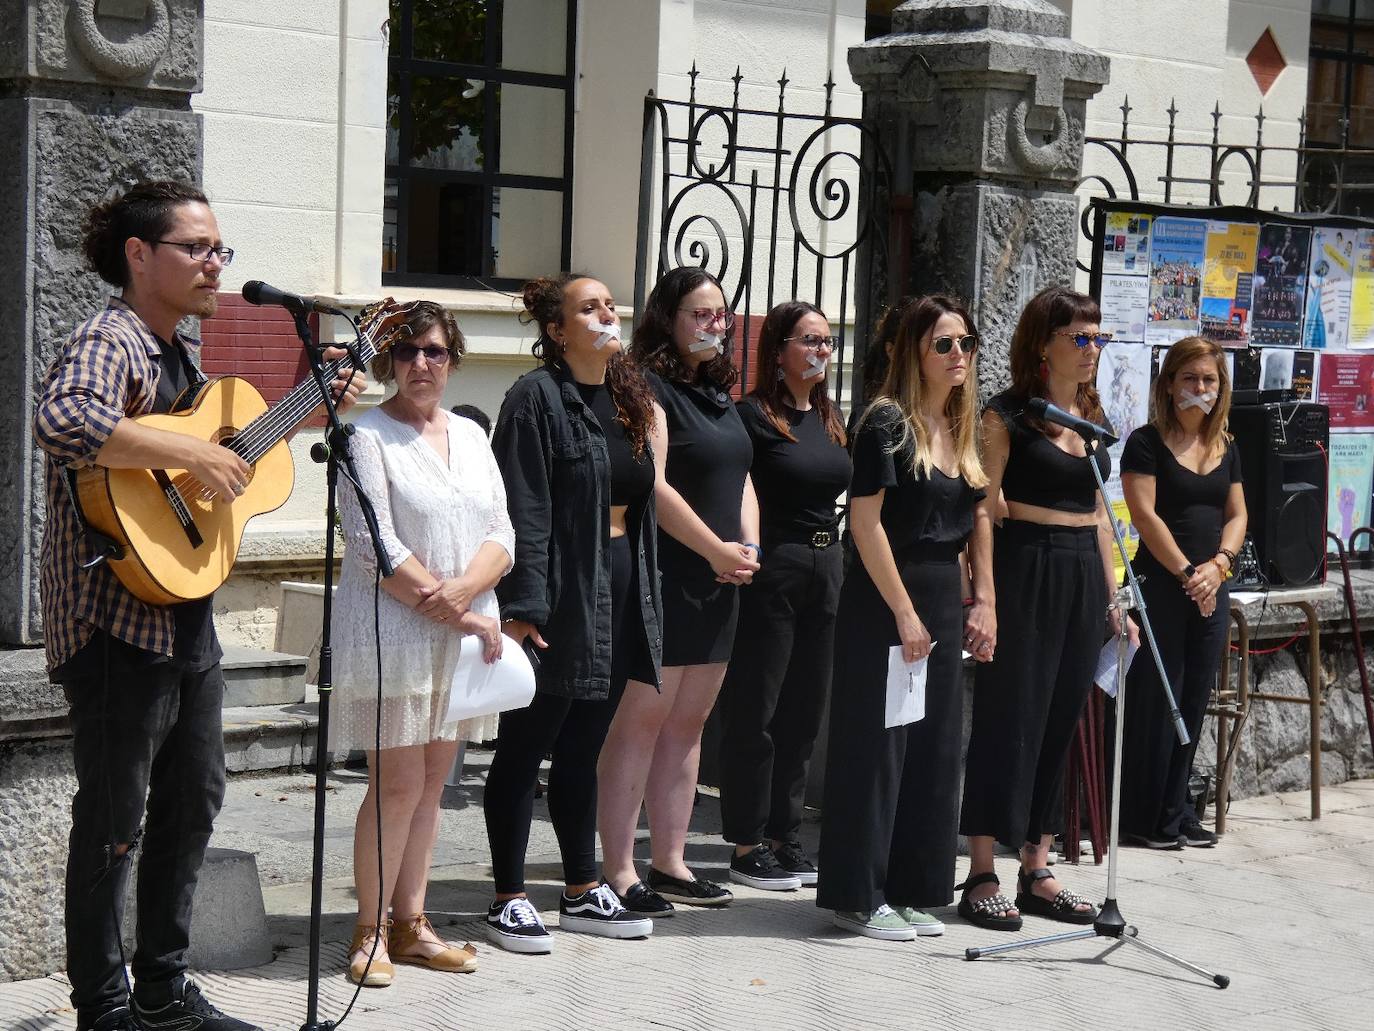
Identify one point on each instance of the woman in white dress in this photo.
(441, 508)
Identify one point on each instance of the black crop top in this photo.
(932, 510)
(797, 482)
(631, 478)
(1038, 472)
(1192, 505)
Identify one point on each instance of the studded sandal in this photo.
(991, 912)
(1062, 907)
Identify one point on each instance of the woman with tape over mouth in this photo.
(1181, 476)
(708, 523)
(573, 443)
(775, 688)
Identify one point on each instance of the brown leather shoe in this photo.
(380, 973)
(405, 946)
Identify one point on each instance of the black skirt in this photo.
(699, 614)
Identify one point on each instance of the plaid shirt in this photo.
(108, 369)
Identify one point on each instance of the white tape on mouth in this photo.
(1206, 401)
(817, 369)
(707, 342)
(605, 331)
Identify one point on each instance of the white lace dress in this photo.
(442, 516)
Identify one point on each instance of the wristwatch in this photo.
(1187, 573)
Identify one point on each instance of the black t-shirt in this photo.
(631, 478)
(797, 482)
(1040, 473)
(922, 510)
(1192, 505)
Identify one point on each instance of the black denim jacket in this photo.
(557, 471)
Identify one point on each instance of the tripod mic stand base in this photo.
(1109, 924)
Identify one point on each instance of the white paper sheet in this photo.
(906, 689)
(1105, 677)
(479, 688)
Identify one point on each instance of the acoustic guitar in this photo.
(175, 545)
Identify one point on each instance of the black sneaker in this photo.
(514, 925)
(642, 900)
(1160, 842)
(117, 1019)
(761, 869)
(1194, 834)
(696, 892)
(794, 860)
(598, 911)
(188, 1010)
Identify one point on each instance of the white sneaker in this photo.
(598, 911)
(515, 926)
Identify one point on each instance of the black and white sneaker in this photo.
(187, 1010)
(598, 911)
(696, 892)
(760, 869)
(514, 925)
(794, 860)
(118, 1019)
(641, 900)
(1156, 841)
(1195, 835)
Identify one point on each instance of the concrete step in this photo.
(270, 737)
(253, 676)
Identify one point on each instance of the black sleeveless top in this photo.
(631, 478)
(1039, 473)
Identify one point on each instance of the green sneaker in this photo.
(882, 923)
(924, 923)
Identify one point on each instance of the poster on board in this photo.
(1350, 475)
(1125, 306)
(1177, 247)
(1227, 282)
(1362, 292)
(1344, 384)
(1280, 285)
(1126, 245)
(1330, 271)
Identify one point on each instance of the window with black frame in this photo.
(478, 141)
(1340, 103)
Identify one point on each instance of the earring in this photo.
(781, 375)
(1044, 368)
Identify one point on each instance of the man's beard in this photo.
(208, 306)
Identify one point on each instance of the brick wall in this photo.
(258, 344)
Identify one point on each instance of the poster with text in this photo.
(1126, 243)
(1349, 478)
(1177, 246)
(1227, 282)
(1125, 306)
(1330, 272)
(1344, 385)
(1362, 292)
(1280, 286)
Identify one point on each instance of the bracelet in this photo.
(758, 552)
(1230, 558)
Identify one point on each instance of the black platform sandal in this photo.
(1062, 907)
(990, 912)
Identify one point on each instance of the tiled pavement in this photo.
(1284, 906)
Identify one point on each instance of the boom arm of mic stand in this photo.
(1138, 600)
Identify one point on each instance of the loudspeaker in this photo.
(1283, 451)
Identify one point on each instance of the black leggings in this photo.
(572, 731)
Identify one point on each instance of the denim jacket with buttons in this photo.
(557, 471)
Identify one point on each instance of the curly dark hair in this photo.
(770, 392)
(144, 211)
(629, 390)
(421, 318)
(652, 346)
(1050, 310)
(876, 357)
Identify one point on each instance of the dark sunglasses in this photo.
(943, 345)
(1082, 340)
(407, 353)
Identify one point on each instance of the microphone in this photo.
(255, 291)
(1042, 409)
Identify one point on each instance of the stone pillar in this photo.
(981, 104)
(94, 95)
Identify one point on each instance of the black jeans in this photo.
(774, 693)
(152, 742)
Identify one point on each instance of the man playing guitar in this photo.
(143, 680)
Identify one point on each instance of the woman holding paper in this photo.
(1181, 476)
(573, 443)
(891, 806)
(441, 509)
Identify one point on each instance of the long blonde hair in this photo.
(903, 389)
(1162, 415)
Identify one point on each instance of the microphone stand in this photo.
(331, 453)
(1110, 923)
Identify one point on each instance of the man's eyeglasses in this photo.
(967, 344)
(1082, 340)
(812, 342)
(407, 353)
(201, 251)
(705, 317)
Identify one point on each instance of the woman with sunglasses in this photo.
(1041, 586)
(441, 509)
(779, 675)
(708, 519)
(572, 439)
(888, 838)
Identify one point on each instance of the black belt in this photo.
(818, 539)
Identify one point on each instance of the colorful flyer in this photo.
(1126, 243)
(1177, 246)
(1345, 385)
(1227, 282)
(1125, 303)
(1350, 475)
(1362, 292)
(1330, 273)
(1280, 286)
